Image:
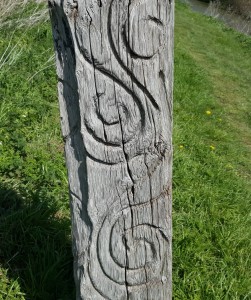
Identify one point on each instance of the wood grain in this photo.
(115, 73)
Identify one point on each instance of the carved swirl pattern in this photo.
(129, 257)
(121, 88)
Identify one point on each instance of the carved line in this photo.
(128, 71)
(141, 285)
(96, 286)
(130, 50)
(98, 66)
(99, 115)
(137, 99)
(95, 137)
(114, 78)
(101, 161)
(117, 155)
(133, 54)
(136, 288)
(133, 227)
(129, 91)
(119, 215)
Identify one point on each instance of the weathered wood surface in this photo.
(115, 69)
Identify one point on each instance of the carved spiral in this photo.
(133, 121)
(121, 104)
(129, 258)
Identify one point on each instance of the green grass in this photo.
(212, 165)
(212, 161)
(35, 244)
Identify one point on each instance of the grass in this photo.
(212, 145)
(212, 136)
(35, 246)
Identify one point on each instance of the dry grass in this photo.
(242, 6)
(232, 15)
(16, 14)
(8, 7)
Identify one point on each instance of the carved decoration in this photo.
(114, 62)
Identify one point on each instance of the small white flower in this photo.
(1, 143)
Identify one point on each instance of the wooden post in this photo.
(115, 71)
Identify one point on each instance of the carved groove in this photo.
(98, 66)
(120, 273)
(135, 80)
(106, 266)
(111, 58)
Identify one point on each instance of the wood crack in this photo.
(113, 60)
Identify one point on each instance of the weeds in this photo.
(241, 6)
(231, 15)
(22, 13)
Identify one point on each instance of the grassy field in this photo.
(212, 163)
